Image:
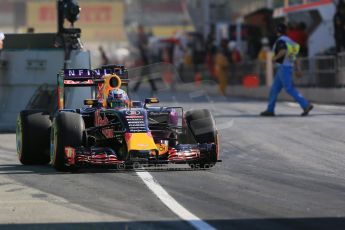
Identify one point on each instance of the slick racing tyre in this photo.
(67, 130)
(202, 125)
(203, 130)
(32, 137)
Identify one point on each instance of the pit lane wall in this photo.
(316, 95)
(24, 71)
(322, 81)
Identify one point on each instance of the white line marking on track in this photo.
(292, 104)
(171, 203)
(322, 106)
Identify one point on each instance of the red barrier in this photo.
(250, 80)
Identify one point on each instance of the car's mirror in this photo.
(152, 100)
(91, 102)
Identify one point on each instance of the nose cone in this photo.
(140, 141)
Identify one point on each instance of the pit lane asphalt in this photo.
(285, 172)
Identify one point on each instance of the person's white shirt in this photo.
(2, 37)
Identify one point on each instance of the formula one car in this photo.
(100, 134)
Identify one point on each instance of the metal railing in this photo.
(318, 71)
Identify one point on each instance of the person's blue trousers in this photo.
(283, 79)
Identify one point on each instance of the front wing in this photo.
(186, 153)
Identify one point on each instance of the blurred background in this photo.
(112, 24)
(225, 42)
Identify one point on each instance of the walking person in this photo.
(234, 59)
(339, 26)
(222, 66)
(285, 54)
(2, 37)
(142, 44)
(179, 50)
(211, 50)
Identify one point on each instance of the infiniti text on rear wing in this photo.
(87, 78)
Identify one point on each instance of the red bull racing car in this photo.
(99, 134)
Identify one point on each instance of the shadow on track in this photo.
(12, 169)
(322, 223)
(17, 169)
(277, 116)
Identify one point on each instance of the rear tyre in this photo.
(67, 130)
(202, 128)
(32, 137)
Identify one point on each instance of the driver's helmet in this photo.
(117, 99)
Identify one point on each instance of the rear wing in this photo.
(89, 78)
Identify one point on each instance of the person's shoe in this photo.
(307, 110)
(267, 114)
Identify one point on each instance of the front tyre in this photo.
(201, 126)
(67, 130)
